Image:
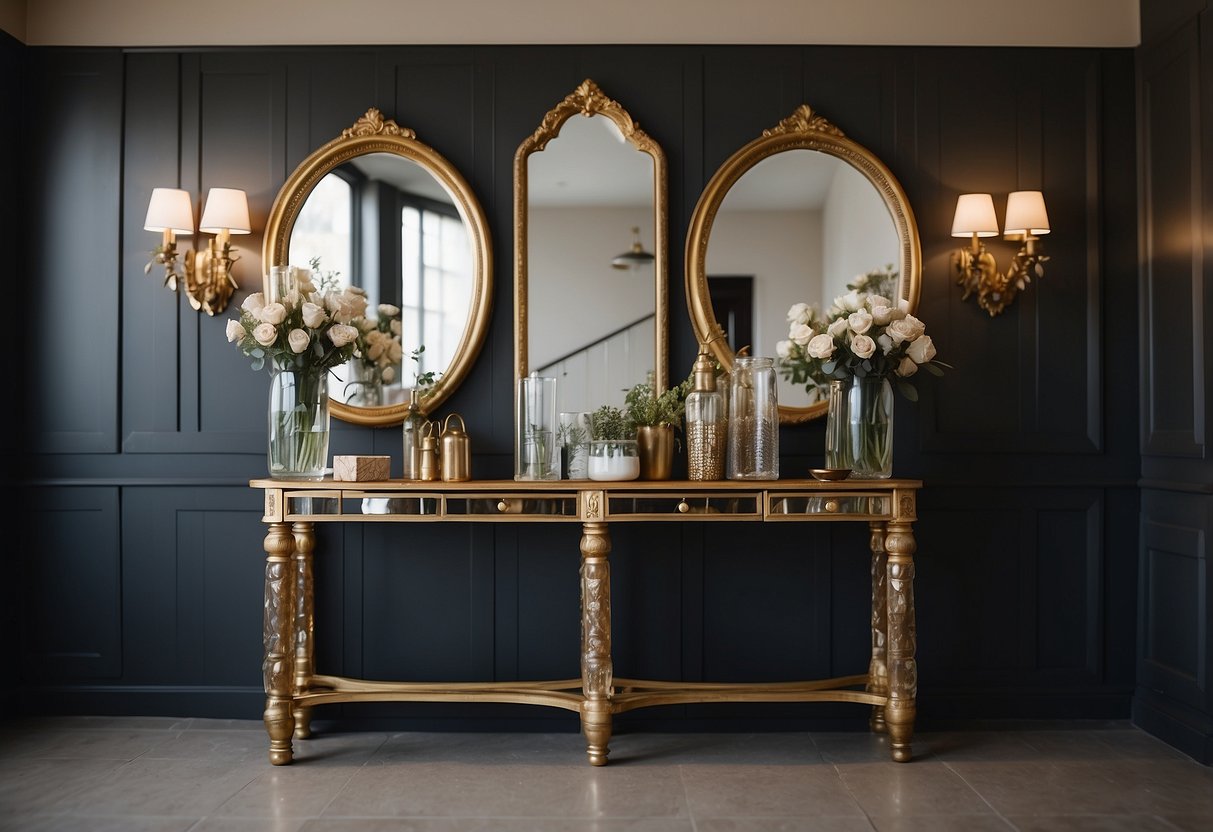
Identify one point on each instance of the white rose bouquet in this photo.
(311, 327)
(379, 353)
(862, 334)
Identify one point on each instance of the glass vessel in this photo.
(614, 460)
(753, 420)
(414, 421)
(298, 423)
(870, 425)
(706, 423)
(574, 439)
(838, 454)
(536, 455)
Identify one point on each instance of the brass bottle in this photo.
(414, 421)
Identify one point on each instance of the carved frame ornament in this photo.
(372, 133)
(804, 129)
(588, 100)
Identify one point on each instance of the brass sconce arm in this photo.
(975, 268)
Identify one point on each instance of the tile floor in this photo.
(147, 775)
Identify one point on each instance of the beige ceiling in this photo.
(274, 22)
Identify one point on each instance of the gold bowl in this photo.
(830, 474)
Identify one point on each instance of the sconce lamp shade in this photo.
(170, 209)
(975, 215)
(1026, 213)
(226, 208)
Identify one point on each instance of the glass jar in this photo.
(706, 422)
(574, 439)
(753, 420)
(870, 424)
(614, 460)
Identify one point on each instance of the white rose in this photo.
(885, 343)
(357, 290)
(395, 327)
(375, 345)
(800, 333)
(292, 299)
(907, 367)
(859, 322)
(235, 332)
(389, 374)
(903, 309)
(873, 301)
(838, 328)
(863, 346)
(265, 334)
(342, 334)
(799, 313)
(313, 315)
(364, 324)
(394, 351)
(298, 339)
(916, 326)
(921, 350)
(821, 346)
(850, 302)
(272, 313)
(386, 310)
(900, 331)
(253, 303)
(882, 315)
(783, 349)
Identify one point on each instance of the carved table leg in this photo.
(305, 662)
(878, 671)
(903, 671)
(596, 668)
(278, 668)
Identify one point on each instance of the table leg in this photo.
(596, 668)
(903, 671)
(878, 671)
(305, 662)
(278, 632)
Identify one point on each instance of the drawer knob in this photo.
(503, 506)
(683, 508)
(831, 506)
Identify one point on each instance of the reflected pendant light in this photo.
(635, 257)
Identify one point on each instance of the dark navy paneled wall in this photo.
(145, 597)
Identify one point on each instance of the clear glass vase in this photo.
(753, 442)
(870, 424)
(838, 456)
(298, 423)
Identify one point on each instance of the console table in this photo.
(292, 508)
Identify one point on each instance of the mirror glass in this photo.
(591, 267)
(799, 215)
(379, 210)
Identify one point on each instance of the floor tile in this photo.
(67, 823)
(1092, 823)
(87, 744)
(818, 824)
(1190, 823)
(942, 823)
(719, 791)
(498, 825)
(248, 825)
(167, 788)
(36, 786)
(915, 788)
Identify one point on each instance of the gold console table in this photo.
(292, 508)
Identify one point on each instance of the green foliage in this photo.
(644, 407)
(609, 423)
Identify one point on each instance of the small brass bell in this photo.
(455, 452)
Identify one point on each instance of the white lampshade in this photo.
(170, 210)
(225, 208)
(1026, 213)
(975, 215)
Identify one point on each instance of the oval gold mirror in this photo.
(794, 217)
(590, 298)
(387, 213)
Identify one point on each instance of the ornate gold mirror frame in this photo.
(588, 100)
(804, 129)
(374, 134)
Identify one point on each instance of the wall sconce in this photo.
(975, 267)
(636, 256)
(207, 273)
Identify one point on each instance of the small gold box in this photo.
(362, 468)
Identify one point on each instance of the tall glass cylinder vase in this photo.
(870, 423)
(536, 454)
(838, 454)
(298, 423)
(753, 444)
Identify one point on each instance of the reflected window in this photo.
(323, 228)
(437, 281)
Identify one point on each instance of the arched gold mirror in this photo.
(794, 217)
(590, 295)
(391, 215)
